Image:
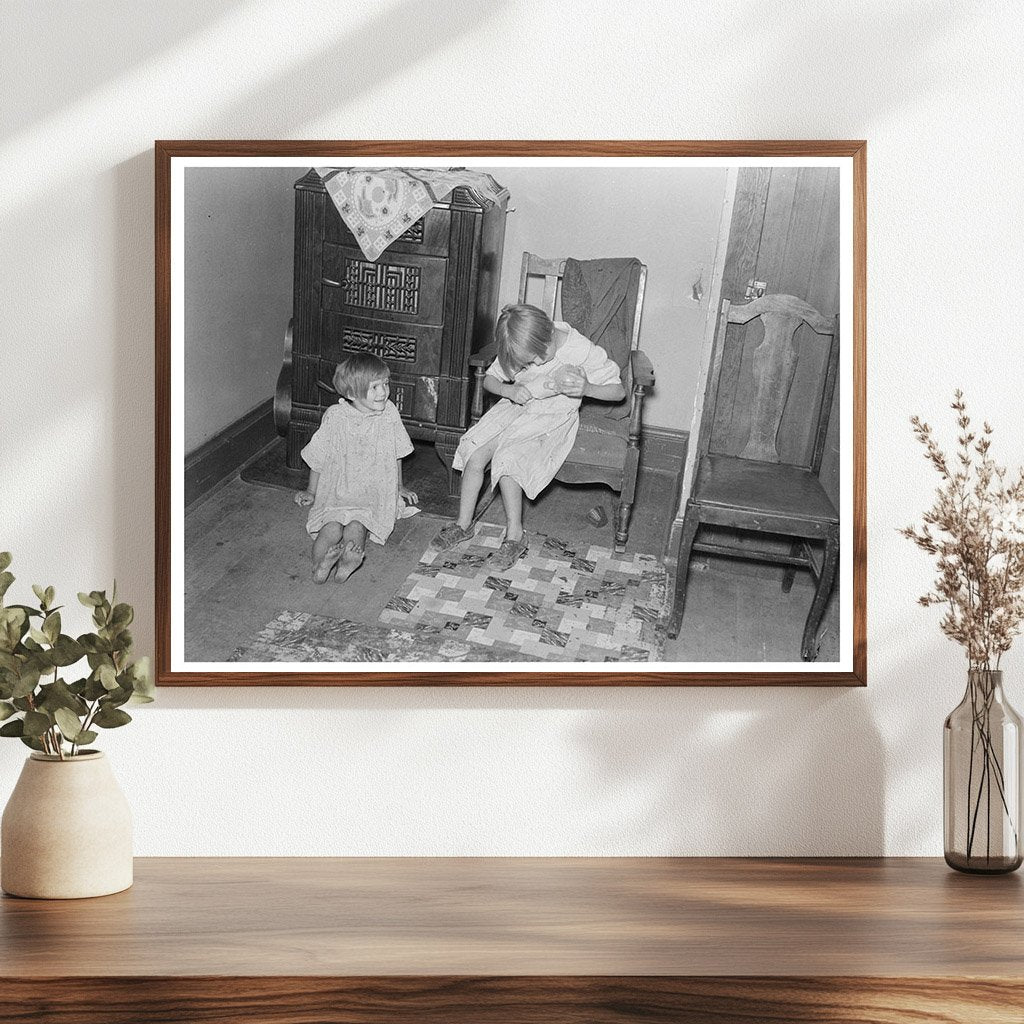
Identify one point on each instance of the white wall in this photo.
(933, 86)
(239, 234)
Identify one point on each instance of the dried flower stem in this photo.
(975, 530)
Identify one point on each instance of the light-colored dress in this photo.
(536, 438)
(356, 455)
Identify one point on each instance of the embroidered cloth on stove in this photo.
(378, 204)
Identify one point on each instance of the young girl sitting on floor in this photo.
(355, 469)
(543, 371)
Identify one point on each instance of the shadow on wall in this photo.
(738, 772)
(925, 682)
(56, 76)
(777, 50)
(694, 771)
(394, 39)
(131, 403)
(87, 29)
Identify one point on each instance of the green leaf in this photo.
(27, 681)
(111, 718)
(107, 676)
(50, 595)
(59, 695)
(12, 627)
(15, 615)
(28, 610)
(38, 635)
(67, 651)
(6, 579)
(86, 736)
(40, 593)
(15, 728)
(36, 723)
(31, 741)
(115, 698)
(122, 615)
(9, 662)
(5, 559)
(87, 641)
(94, 689)
(51, 626)
(69, 724)
(142, 682)
(96, 645)
(89, 600)
(6, 710)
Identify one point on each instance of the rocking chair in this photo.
(607, 448)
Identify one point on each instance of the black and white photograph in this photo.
(555, 416)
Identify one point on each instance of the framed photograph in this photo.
(491, 413)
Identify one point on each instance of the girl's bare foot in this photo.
(323, 568)
(351, 558)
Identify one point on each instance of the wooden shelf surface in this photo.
(361, 939)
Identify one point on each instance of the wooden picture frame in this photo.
(180, 259)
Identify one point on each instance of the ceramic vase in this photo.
(66, 830)
(981, 776)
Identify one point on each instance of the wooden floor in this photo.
(247, 559)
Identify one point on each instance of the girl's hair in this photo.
(522, 333)
(356, 372)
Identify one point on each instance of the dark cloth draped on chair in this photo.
(599, 300)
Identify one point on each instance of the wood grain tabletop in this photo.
(455, 936)
(509, 916)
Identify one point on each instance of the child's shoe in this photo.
(451, 535)
(508, 554)
(323, 568)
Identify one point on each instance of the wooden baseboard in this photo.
(226, 452)
(664, 449)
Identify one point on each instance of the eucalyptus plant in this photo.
(37, 704)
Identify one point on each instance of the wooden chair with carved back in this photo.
(754, 490)
(607, 447)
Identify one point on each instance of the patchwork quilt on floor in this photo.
(560, 602)
(302, 637)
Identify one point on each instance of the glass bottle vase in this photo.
(981, 775)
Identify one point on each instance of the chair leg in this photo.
(624, 510)
(822, 592)
(790, 574)
(690, 523)
(444, 446)
(623, 514)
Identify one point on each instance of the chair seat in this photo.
(600, 441)
(762, 488)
